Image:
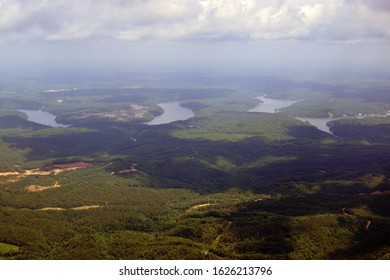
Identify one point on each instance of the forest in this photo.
(224, 184)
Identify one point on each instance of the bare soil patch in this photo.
(135, 111)
(199, 206)
(138, 111)
(52, 209)
(53, 170)
(79, 208)
(133, 168)
(85, 207)
(35, 188)
(368, 224)
(380, 193)
(9, 173)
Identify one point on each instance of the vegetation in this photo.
(374, 129)
(226, 184)
(334, 107)
(234, 127)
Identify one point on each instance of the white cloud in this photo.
(340, 20)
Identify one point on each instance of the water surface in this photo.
(320, 123)
(42, 117)
(269, 105)
(173, 111)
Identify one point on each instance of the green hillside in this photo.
(225, 184)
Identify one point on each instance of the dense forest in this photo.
(224, 184)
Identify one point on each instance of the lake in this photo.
(42, 117)
(173, 111)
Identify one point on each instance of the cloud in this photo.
(377, 5)
(135, 20)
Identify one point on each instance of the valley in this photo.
(110, 178)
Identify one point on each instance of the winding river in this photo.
(269, 105)
(173, 111)
(320, 123)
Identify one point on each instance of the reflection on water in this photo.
(42, 117)
(173, 111)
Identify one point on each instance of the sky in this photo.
(195, 33)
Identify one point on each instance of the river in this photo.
(42, 117)
(173, 111)
(269, 105)
(320, 123)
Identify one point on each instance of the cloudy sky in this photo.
(200, 33)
